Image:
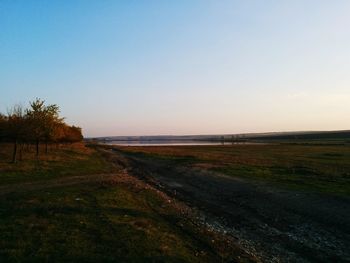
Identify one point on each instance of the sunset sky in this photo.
(180, 67)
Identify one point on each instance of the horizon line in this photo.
(219, 134)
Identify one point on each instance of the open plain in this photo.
(283, 203)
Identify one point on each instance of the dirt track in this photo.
(273, 224)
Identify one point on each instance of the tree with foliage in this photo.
(3, 123)
(36, 118)
(51, 120)
(39, 123)
(15, 128)
(73, 134)
(42, 120)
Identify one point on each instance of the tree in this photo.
(59, 133)
(35, 121)
(73, 134)
(42, 120)
(39, 123)
(15, 128)
(50, 123)
(3, 123)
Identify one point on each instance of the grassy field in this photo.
(65, 161)
(53, 217)
(80, 204)
(290, 202)
(316, 168)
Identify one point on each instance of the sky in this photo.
(180, 67)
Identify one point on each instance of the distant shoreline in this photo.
(328, 134)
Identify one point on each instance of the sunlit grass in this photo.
(63, 161)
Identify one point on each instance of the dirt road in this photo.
(275, 225)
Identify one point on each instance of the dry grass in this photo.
(63, 161)
(324, 168)
(113, 218)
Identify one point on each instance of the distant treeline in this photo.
(328, 135)
(39, 123)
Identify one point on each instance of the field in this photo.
(316, 168)
(236, 203)
(285, 202)
(61, 162)
(77, 205)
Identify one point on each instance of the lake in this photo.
(173, 143)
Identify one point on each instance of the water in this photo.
(173, 143)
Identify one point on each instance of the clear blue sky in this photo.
(180, 67)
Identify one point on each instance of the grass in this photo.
(110, 221)
(91, 223)
(316, 168)
(125, 221)
(65, 161)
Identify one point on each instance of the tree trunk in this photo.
(21, 146)
(14, 156)
(46, 147)
(37, 148)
